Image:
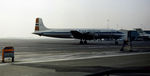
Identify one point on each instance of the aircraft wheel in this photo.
(85, 42)
(81, 42)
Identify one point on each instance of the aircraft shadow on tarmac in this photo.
(64, 68)
(95, 70)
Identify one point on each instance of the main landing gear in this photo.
(83, 42)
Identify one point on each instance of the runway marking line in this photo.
(71, 58)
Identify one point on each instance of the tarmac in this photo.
(62, 57)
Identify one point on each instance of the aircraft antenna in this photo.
(108, 23)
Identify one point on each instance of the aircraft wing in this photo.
(79, 35)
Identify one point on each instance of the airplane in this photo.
(142, 35)
(82, 34)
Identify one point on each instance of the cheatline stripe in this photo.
(36, 24)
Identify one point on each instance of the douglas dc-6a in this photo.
(82, 34)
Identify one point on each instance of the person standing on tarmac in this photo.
(125, 42)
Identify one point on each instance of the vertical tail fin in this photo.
(39, 26)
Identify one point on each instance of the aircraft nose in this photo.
(37, 33)
(34, 33)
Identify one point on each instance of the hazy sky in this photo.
(17, 17)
